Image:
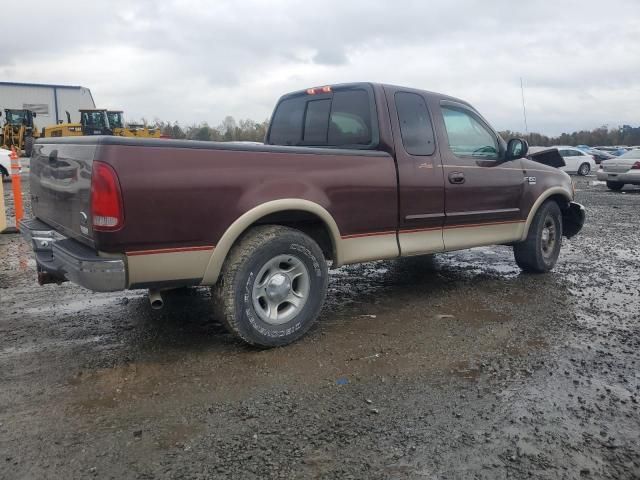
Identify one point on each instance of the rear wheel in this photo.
(584, 169)
(539, 252)
(272, 286)
(28, 145)
(615, 186)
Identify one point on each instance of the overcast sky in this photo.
(196, 60)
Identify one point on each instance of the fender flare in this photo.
(540, 200)
(239, 226)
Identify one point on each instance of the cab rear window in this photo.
(343, 118)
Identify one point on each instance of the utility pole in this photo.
(524, 110)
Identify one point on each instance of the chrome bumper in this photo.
(60, 259)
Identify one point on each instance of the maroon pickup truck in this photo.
(348, 173)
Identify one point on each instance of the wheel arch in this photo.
(307, 216)
(557, 194)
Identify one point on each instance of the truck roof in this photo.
(427, 93)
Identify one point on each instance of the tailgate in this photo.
(60, 183)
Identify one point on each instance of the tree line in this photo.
(252, 131)
(229, 130)
(603, 136)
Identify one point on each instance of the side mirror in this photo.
(517, 148)
(34, 114)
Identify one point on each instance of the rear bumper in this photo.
(631, 178)
(573, 219)
(61, 259)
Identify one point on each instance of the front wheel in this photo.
(272, 286)
(539, 252)
(615, 186)
(584, 169)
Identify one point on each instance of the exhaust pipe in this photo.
(155, 298)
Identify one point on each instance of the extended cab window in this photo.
(415, 124)
(344, 118)
(468, 137)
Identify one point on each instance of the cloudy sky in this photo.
(197, 60)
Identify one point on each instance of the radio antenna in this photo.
(524, 110)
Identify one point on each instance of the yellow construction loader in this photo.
(116, 121)
(18, 130)
(92, 122)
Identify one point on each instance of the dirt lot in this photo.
(449, 367)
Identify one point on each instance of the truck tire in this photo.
(539, 252)
(272, 286)
(584, 169)
(615, 186)
(28, 145)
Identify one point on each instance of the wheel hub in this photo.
(545, 235)
(548, 237)
(281, 289)
(278, 287)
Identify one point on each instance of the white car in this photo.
(576, 160)
(621, 170)
(5, 164)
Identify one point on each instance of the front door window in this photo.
(468, 137)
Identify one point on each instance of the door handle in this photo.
(456, 177)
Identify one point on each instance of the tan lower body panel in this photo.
(420, 242)
(458, 238)
(368, 247)
(167, 266)
(187, 264)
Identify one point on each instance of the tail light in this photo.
(636, 166)
(106, 198)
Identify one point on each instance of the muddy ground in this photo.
(450, 367)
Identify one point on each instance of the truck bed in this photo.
(180, 193)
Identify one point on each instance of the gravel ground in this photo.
(450, 367)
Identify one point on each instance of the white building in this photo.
(50, 102)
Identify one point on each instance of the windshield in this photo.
(116, 119)
(16, 117)
(95, 119)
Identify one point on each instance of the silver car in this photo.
(621, 171)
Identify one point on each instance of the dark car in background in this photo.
(600, 156)
(615, 150)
